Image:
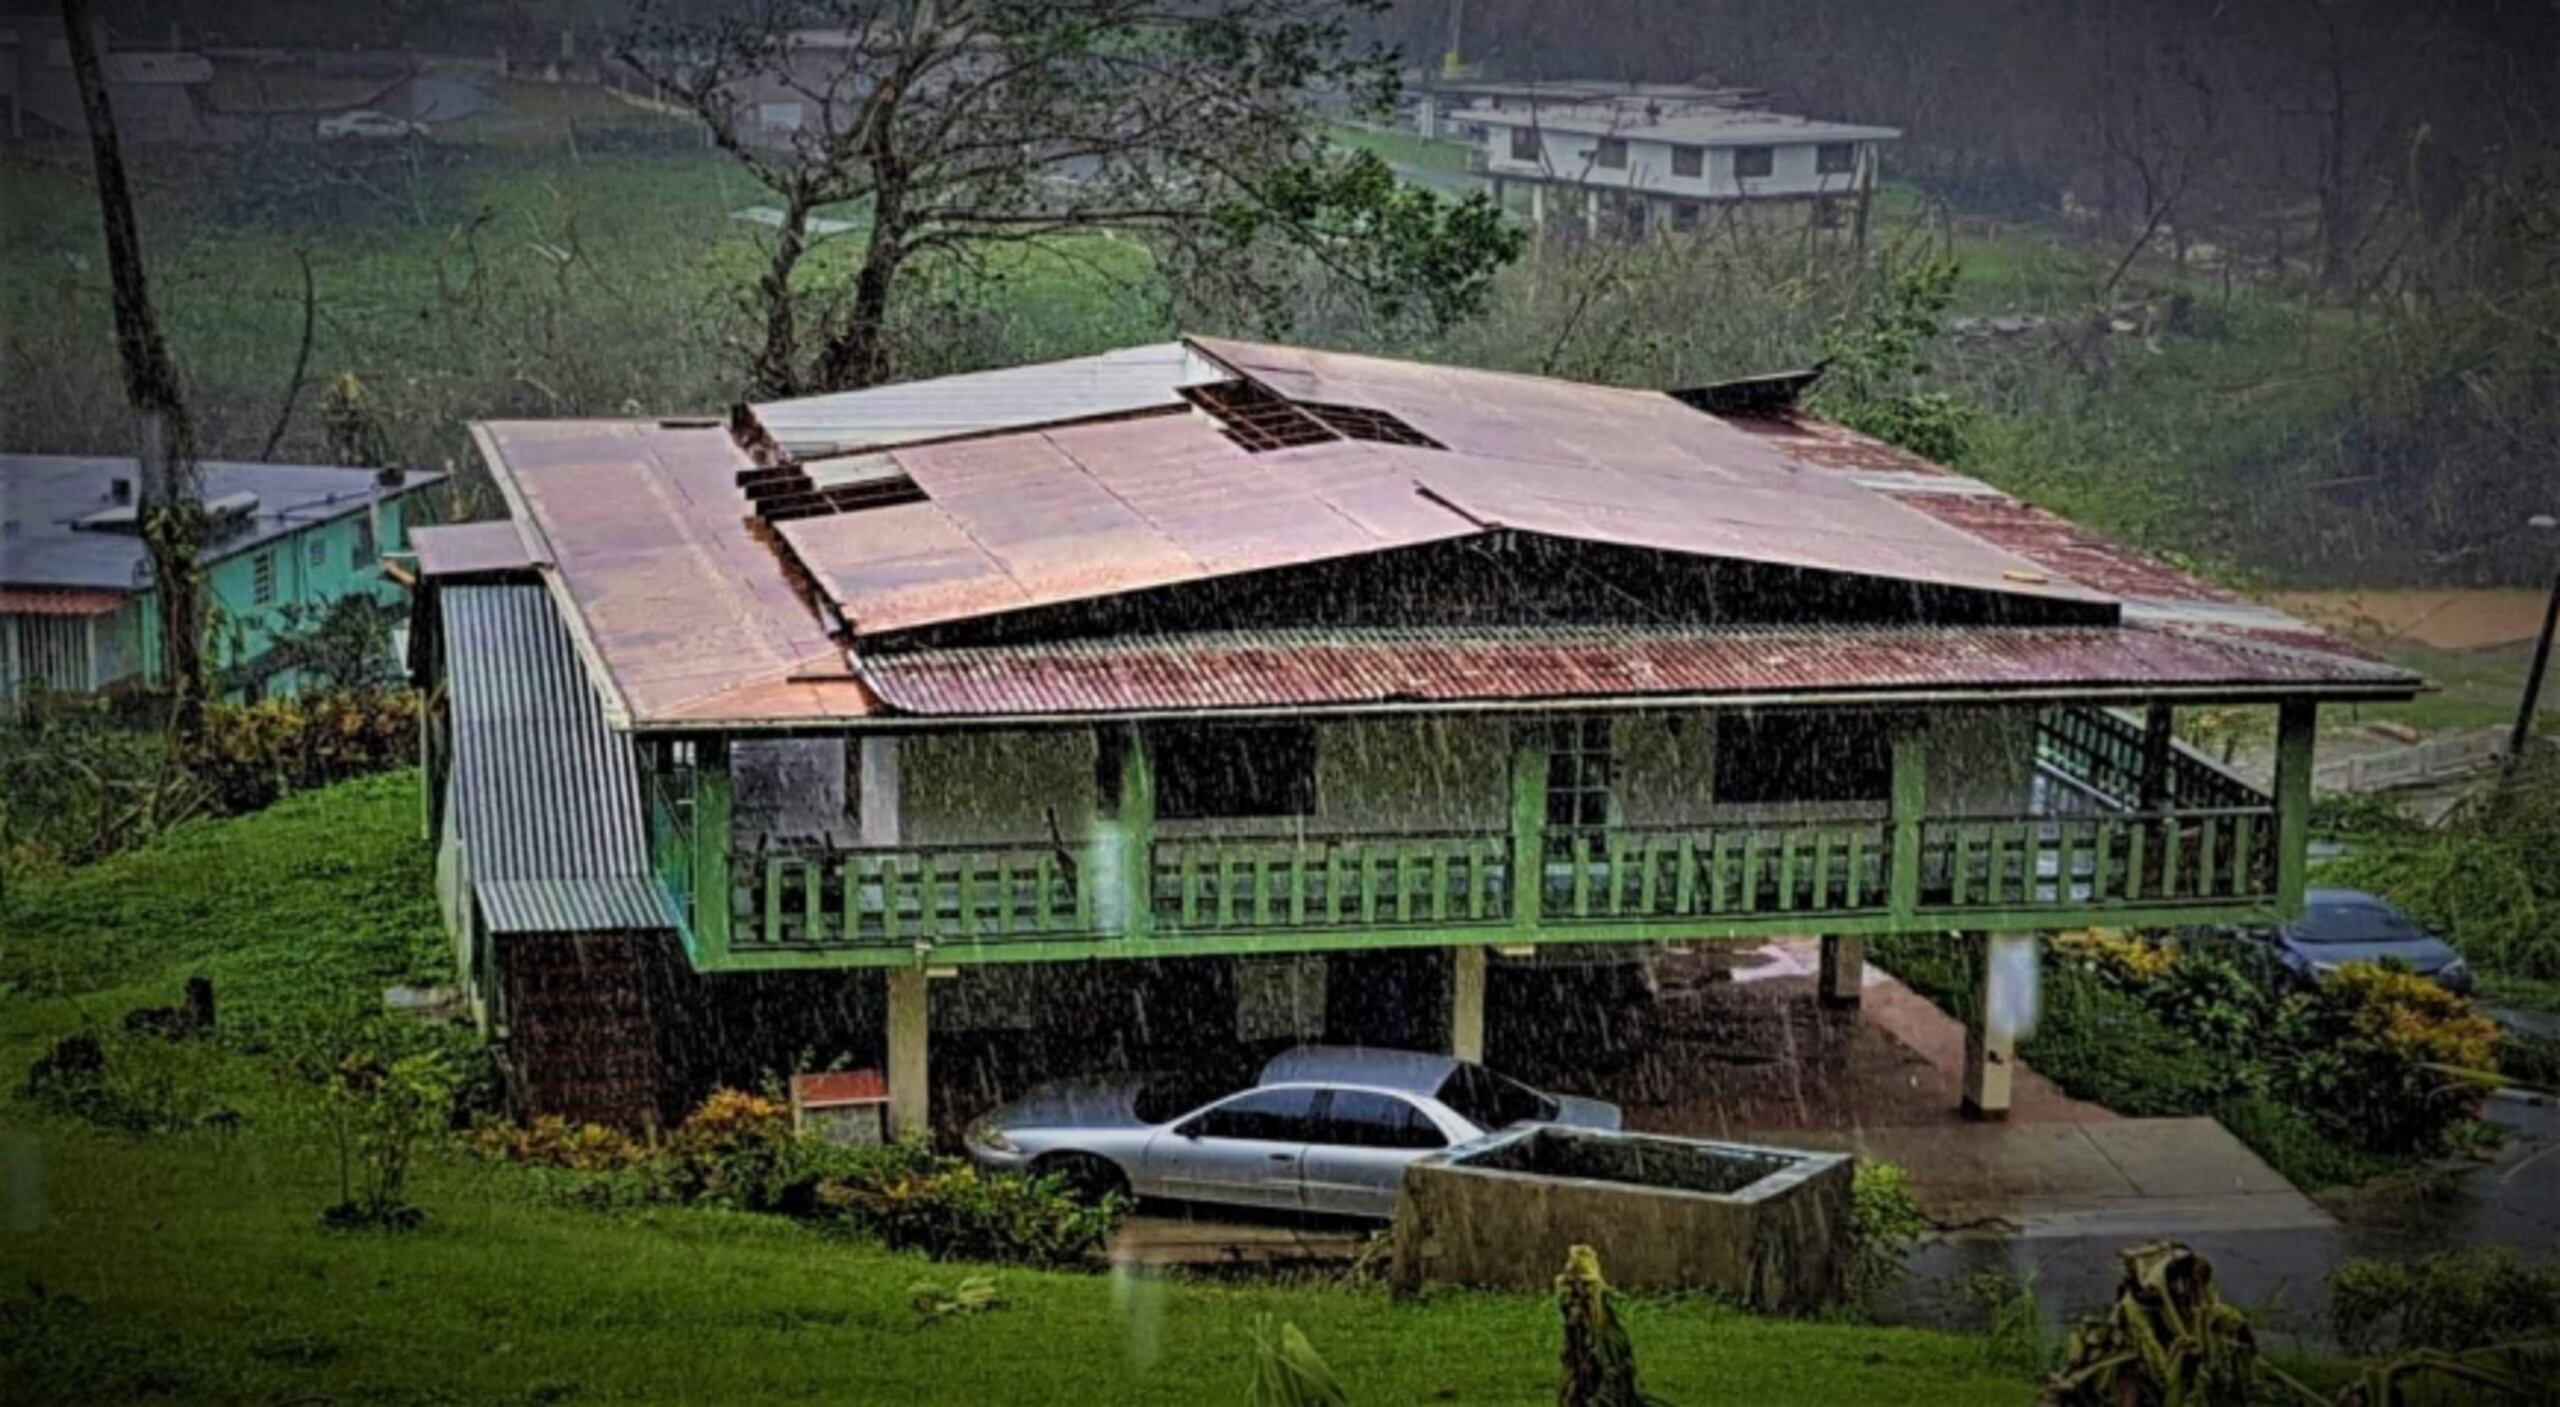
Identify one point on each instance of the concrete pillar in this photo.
(1591, 213)
(1538, 206)
(1466, 1002)
(910, 1108)
(2005, 1014)
(2297, 732)
(1844, 970)
(876, 809)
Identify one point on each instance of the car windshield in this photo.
(2354, 923)
(1489, 1101)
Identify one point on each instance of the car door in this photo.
(1244, 1150)
(1363, 1140)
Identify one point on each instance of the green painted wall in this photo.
(310, 568)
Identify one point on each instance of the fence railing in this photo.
(928, 894)
(1739, 870)
(1349, 881)
(2107, 754)
(811, 897)
(2161, 859)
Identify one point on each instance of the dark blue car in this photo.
(2340, 926)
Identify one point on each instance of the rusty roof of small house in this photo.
(691, 608)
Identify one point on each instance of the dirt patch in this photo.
(2443, 620)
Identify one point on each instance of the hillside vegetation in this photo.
(192, 1265)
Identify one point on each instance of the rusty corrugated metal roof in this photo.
(677, 597)
(1333, 668)
(695, 612)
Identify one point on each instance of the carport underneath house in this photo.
(1336, 676)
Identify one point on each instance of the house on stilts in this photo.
(1215, 690)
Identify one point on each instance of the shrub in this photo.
(250, 754)
(2387, 1058)
(2127, 961)
(951, 1211)
(2451, 1301)
(1884, 1221)
(131, 1084)
(382, 1089)
(553, 1142)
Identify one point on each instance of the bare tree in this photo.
(172, 507)
(963, 126)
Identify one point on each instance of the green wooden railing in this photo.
(907, 895)
(1250, 882)
(2163, 859)
(1642, 873)
(2105, 753)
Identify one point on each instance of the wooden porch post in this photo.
(2297, 726)
(711, 842)
(2003, 1014)
(1466, 1001)
(1528, 824)
(2159, 724)
(1137, 817)
(1910, 804)
(910, 1030)
(1844, 970)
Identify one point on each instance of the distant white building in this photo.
(1639, 163)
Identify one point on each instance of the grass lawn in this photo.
(1405, 149)
(192, 1266)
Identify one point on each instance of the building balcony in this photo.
(2104, 839)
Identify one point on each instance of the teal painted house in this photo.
(77, 614)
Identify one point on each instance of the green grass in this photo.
(1403, 149)
(192, 1266)
(499, 269)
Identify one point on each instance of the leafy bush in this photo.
(553, 1142)
(2484, 879)
(251, 754)
(739, 1149)
(951, 1211)
(2332, 1086)
(2451, 1301)
(1884, 1221)
(2388, 1058)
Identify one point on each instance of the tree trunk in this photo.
(172, 510)
(858, 354)
(777, 365)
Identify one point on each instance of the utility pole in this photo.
(2522, 738)
(172, 508)
(1450, 59)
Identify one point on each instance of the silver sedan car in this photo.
(1325, 1129)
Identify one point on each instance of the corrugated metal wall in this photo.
(546, 796)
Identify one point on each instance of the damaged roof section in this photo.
(1057, 507)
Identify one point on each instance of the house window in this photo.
(1581, 776)
(1774, 757)
(1220, 771)
(361, 555)
(317, 551)
(1752, 162)
(1835, 158)
(1688, 161)
(1684, 215)
(1611, 153)
(262, 578)
(1524, 143)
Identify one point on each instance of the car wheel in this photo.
(1088, 1177)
